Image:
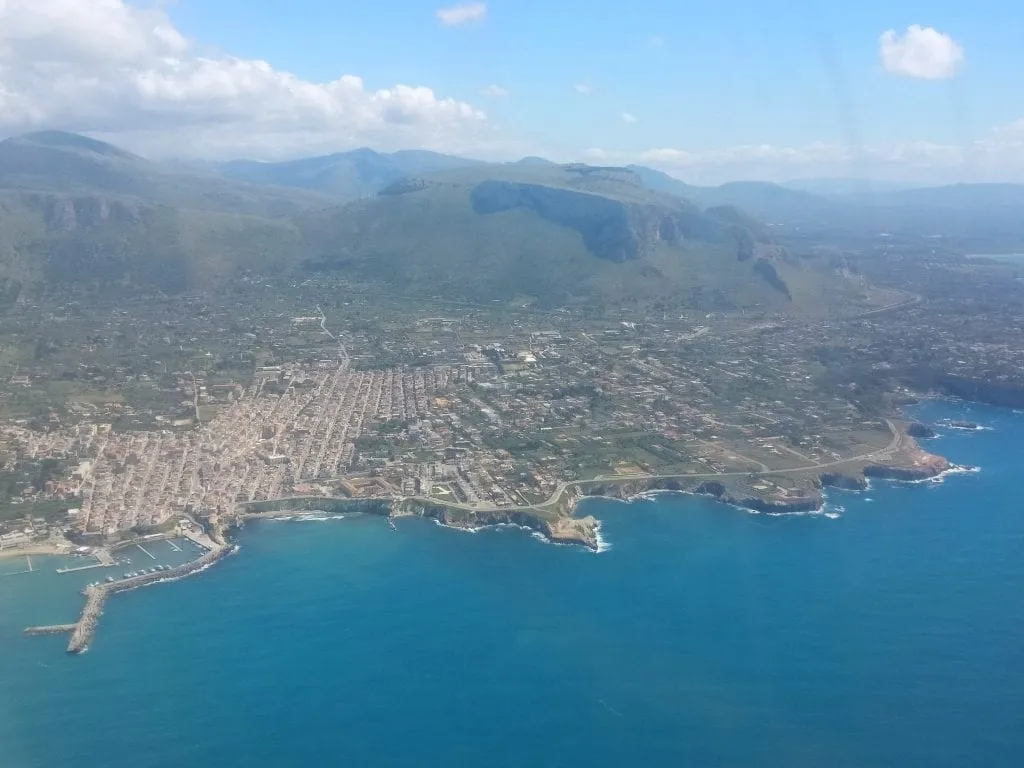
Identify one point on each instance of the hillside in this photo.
(561, 234)
(122, 245)
(74, 211)
(65, 163)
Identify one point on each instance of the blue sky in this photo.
(703, 74)
(707, 91)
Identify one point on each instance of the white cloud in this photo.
(583, 88)
(495, 91)
(455, 15)
(996, 156)
(921, 52)
(628, 118)
(110, 68)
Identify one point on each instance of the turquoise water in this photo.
(891, 636)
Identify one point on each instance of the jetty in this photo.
(51, 629)
(96, 596)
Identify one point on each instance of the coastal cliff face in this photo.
(805, 500)
(611, 229)
(928, 467)
(563, 530)
(331, 505)
(844, 482)
(911, 463)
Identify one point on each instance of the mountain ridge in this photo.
(77, 211)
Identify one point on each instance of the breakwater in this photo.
(83, 631)
(51, 629)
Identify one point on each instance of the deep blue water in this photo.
(891, 636)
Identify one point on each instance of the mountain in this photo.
(120, 245)
(345, 175)
(969, 215)
(845, 187)
(556, 235)
(772, 202)
(75, 211)
(65, 163)
(533, 160)
(960, 196)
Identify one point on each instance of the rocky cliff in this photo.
(612, 229)
(556, 528)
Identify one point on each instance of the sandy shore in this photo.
(34, 550)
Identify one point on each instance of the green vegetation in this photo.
(562, 235)
(78, 212)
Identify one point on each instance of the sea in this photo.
(888, 632)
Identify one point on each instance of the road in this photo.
(894, 444)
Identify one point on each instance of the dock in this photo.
(52, 629)
(201, 539)
(88, 567)
(146, 551)
(103, 560)
(173, 546)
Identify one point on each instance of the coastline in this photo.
(781, 492)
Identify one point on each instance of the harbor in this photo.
(120, 567)
(96, 594)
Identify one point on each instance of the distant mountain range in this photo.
(345, 175)
(846, 204)
(66, 163)
(558, 235)
(75, 210)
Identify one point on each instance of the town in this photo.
(189, 407)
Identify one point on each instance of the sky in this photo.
(922, 92)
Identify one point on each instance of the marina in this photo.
(96, 594)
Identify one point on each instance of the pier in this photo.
(146, 551)
(103, 560)
(201, 539)
(28, 568)
(77, 568)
